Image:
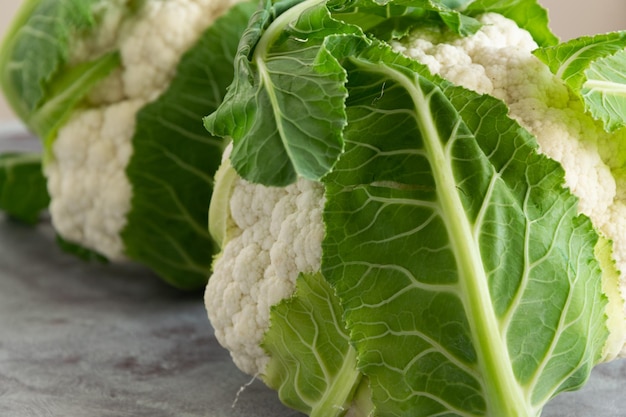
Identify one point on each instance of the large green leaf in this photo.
(467, 276)
(174, 160)
(593, 68)
(284, 110)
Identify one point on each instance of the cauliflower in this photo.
(394, 227)
(277, 232)
(125, 150)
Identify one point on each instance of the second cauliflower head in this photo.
(128, 163)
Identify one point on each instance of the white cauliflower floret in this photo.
(150, 53)
(90, 193)
(276, 233)
(498, 60)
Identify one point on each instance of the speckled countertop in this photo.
(94, 340)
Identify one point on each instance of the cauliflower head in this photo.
(273, 233)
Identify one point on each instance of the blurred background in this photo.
(569, 19)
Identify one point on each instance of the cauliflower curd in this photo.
(273, 235)
(277, 232)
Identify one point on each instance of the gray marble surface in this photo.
(92, 340)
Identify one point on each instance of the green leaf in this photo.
(458, 22)
(23, 192)
(174, 160)
(592, 66)
(284, 109)
(528, 14)
(36, 78)
(312, 365)
(468, 279)
(66, 92)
